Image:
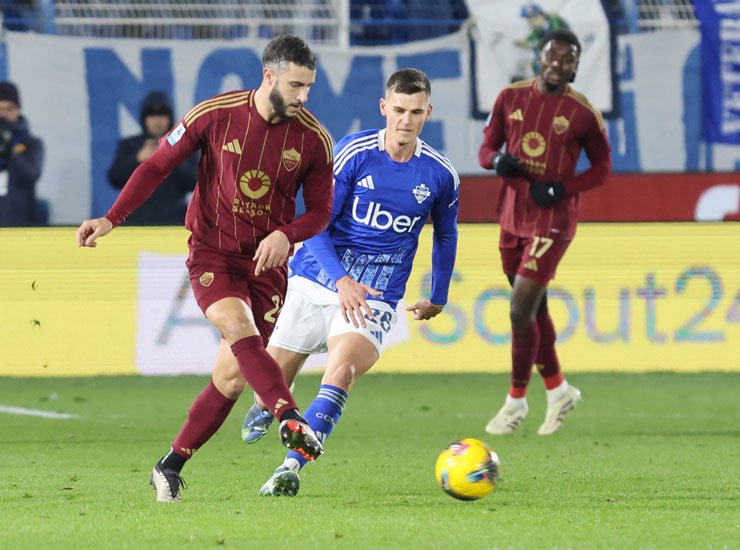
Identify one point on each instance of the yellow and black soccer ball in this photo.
(467, 469)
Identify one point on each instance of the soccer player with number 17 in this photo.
(545, 125)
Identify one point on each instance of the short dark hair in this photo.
(287, 48)
(409, 81)
(562, 35)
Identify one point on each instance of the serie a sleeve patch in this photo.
(176, 134)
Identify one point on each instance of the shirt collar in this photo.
(381, 143)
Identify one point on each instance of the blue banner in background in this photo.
(659, 127)
(720, 57)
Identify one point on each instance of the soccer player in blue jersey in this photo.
(347, 281)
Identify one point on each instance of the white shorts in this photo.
(311, 315)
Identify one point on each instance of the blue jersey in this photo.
(380, 207)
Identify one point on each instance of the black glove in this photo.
(545, 194)
(6, 137)
(507, 165)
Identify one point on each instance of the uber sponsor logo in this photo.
(378, 218)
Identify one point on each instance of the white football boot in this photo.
(166, 483)
(508, 418)
(557, 409)
(283, 483)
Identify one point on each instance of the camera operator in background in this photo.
(21, 160)
(169, 201)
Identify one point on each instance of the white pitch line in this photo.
(36, 412)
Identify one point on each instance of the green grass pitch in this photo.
(646, 461)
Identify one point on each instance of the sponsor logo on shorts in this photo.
(207, 278)
(531, 264)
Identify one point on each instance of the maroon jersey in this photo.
(547, 133)
(248, 176)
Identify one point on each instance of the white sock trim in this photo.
(292, 463)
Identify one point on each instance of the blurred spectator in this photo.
(168, 203)
(21, 160)
(375, 22)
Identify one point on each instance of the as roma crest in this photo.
(560, 124)
(291, 159)
(207, 278)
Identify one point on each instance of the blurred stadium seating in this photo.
(655, 15)
(20, 15)
(210, 19)
(342, 22)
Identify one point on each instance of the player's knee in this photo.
(521, 317)
(342, 376)
(230, 386)
(233, 328)
(234, 388)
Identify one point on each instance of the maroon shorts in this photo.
(535, 258)
(214, 275)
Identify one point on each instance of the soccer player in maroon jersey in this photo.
(545, 124)
(257, 147)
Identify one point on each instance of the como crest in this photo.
(254, 184)
(421, 193)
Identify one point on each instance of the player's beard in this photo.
(555, 87)
(278, 104)
(551, 88)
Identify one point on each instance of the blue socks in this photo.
(322, 415)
